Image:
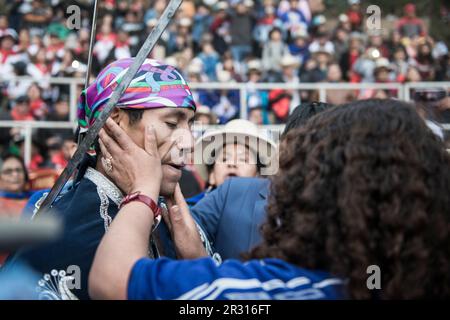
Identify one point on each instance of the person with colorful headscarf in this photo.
(158, 100)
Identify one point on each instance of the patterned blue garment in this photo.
(86, 211)
(203, 279)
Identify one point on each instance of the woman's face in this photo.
(228, 65)
(34, 92)
(40, 56)
(275, 36)
(399, 55)
(413, 75)
(233, 160)
(12, 176)
(424, 49)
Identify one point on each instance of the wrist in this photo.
(138, 196)
(151, 191)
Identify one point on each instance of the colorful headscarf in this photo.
(155, 85)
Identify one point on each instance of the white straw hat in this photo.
(236, 131)
(289, 60)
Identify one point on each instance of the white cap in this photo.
(254, 64)
(299, 33)
(382, 63)
(222, 5)
(185, 22)
(289, 60)
(343, 17)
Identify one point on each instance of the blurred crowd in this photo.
(241, 41)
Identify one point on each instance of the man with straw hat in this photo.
(237, 155)
(236, 150)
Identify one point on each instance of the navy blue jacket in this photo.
(232, 214)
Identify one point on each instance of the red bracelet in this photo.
(137, 196)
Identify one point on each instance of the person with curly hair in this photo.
(361, 184)
(364, 184)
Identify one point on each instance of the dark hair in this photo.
(135, 115)
(275, 29)
(399, 48)
(364, 184)
(8, 155)
(302, 114)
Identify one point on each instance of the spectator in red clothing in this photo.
(106, 40)
(38, 107)
(55, 48)
(39, 68)
(355, 15)
(21, 110)
(283, 101)
(409, 25)
(7, 40)
(56, 156)
(349, 57)
(425, 61)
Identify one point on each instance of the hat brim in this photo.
(291, 64)
(382, 67)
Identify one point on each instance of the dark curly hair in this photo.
(364, 184)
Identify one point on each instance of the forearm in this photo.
(125, 242)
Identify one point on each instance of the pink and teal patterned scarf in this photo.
(155, 85)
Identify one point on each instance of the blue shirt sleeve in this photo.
(164, 278)
(200, 279)
(28, 211)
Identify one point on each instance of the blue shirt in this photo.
(232, 215)
(85, 217)
(203, 279)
